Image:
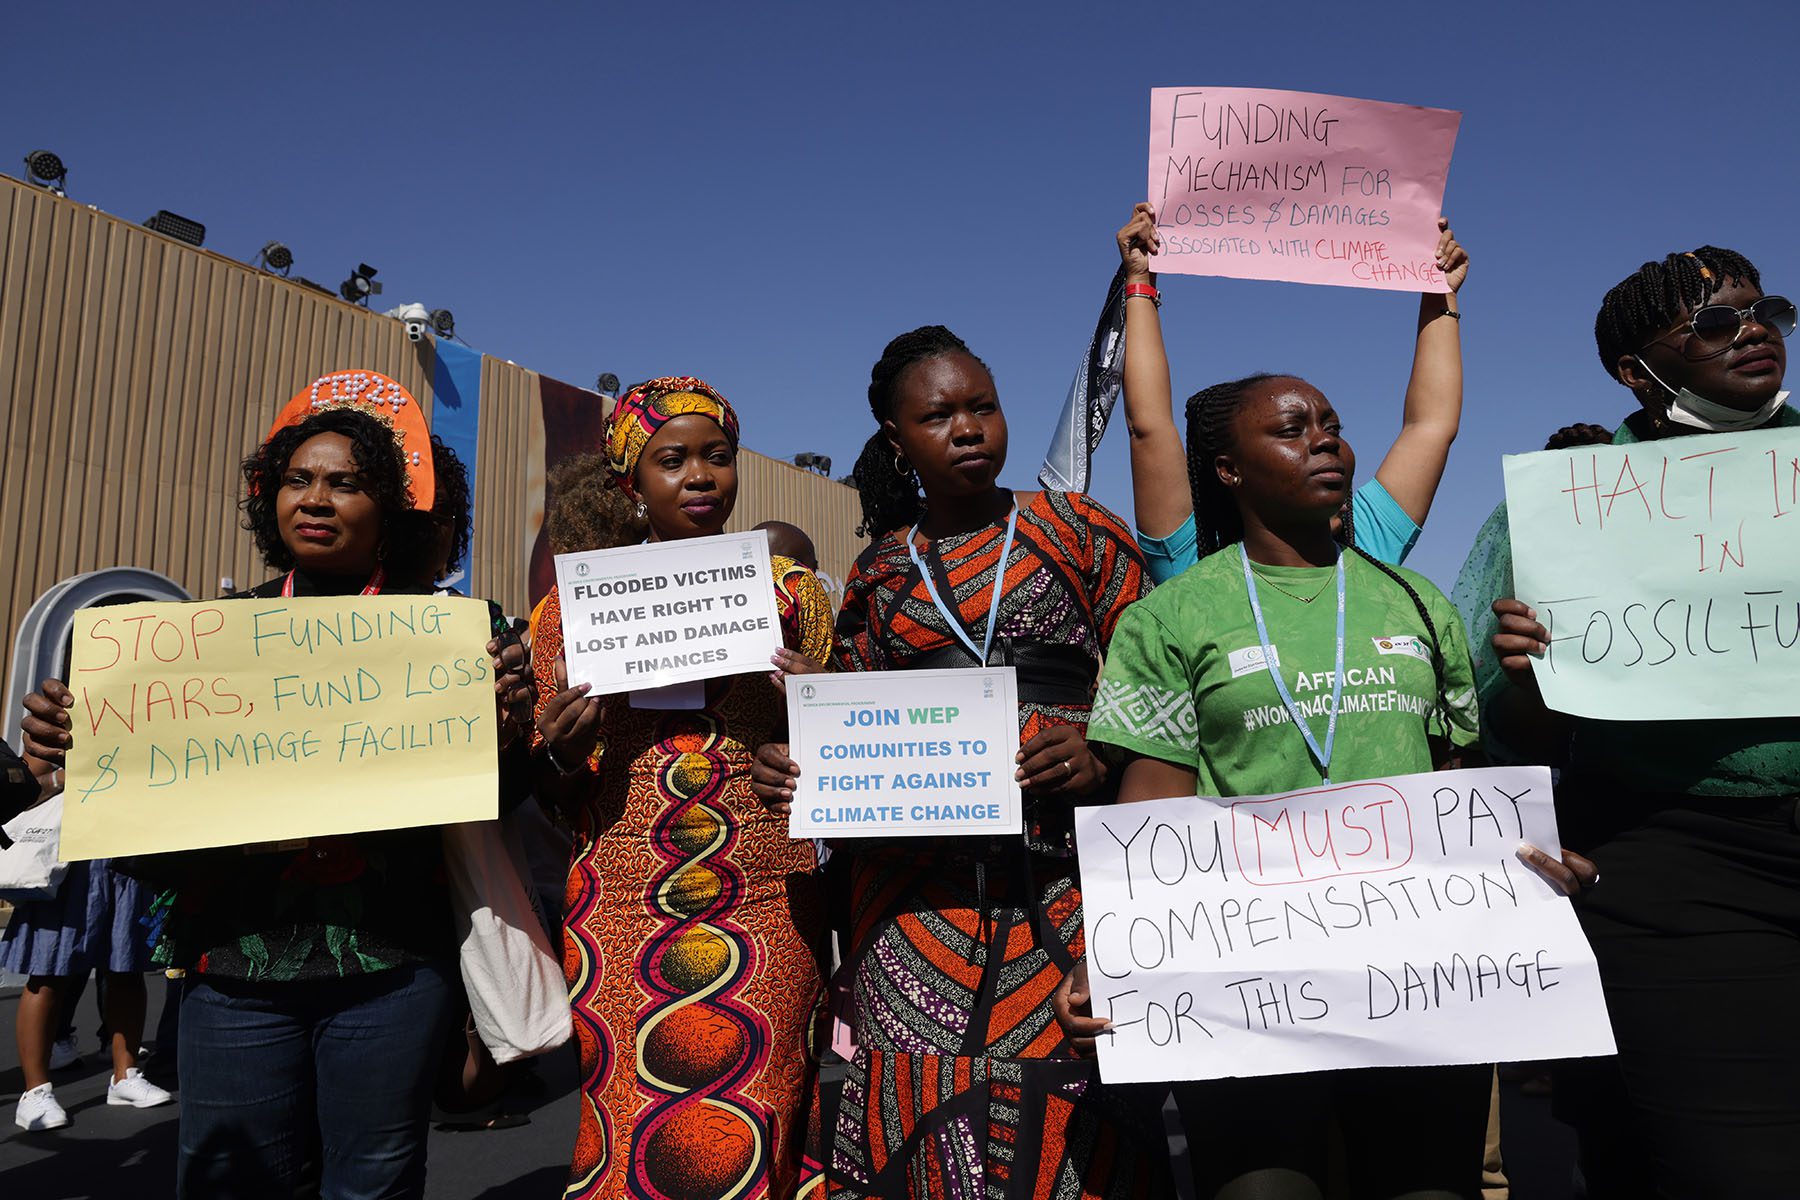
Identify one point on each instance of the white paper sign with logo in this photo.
(1387, 922)
(905, 753)
(640, 617)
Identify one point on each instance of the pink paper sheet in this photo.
(1260, 184)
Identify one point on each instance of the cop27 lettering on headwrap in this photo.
(1259, 184)
(219, 724)
(1667, 573)
(1387, 922)
(640, 617)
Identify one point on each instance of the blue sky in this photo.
(763, 195)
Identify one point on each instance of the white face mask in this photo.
(1697, 412)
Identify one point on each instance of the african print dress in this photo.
(691, 941)
(962, 1085)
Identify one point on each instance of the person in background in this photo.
(91, 924)
(300, 959)
(694, 924)
(448, 527)
(961, 1083)
(1385, 514)
(791, 541)
(1692, 822)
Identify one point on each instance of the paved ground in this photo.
(112, 1152)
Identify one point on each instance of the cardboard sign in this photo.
(905, 753)
(1260, 184)
(648, 616)
(241, 721)
(1665, 574)
(1382, 923)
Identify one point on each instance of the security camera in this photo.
(416, 319)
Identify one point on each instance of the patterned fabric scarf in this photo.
(1082, 422)
(647, 408)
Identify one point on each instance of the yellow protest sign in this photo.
(239, 721)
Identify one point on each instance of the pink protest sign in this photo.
(1260, 184)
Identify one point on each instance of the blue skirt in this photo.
(94, 922)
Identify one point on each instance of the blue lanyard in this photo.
(955, 621)
(1337, 676)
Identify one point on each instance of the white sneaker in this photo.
(38, 1109)
(63, 1054)
(135, 1090)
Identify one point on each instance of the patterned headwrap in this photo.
(647, 408)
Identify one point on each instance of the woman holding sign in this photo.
(1693, 822)
(1200, 690)
(1383, 515)
(320, 975)
(694, 923)
(961, 1075)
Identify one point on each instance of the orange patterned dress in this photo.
(691, 941)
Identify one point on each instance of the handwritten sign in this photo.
(640, 617)
(1259, 184)
(223, 724)
(1373, 924)
(905, 753)
(1666, 572)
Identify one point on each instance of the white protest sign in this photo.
(905, 753)
(1662, 570)
(1383, 923)
(639, 617)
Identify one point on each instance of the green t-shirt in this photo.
(1185, 680)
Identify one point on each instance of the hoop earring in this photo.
(901, 468)
(643, 511)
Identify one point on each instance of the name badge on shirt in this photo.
(1405, 643)
(1250, 660)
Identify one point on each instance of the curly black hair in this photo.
(451, 501)
(1654, 296)
(890, 497)
(377, 456)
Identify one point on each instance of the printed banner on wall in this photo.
(456, 420)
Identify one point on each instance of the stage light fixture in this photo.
(360, 286)
(45, 169)
(608, 384)
(181, 228)
(276, 257)
(808, 461)
(443, 322)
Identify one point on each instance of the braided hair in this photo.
(1218, 524)
(890, 496)
(1654, 297)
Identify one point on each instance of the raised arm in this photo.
(1159, 482)
(1415, 462)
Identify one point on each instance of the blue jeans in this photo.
(274, 1073)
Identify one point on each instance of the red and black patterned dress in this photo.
(691, 942)
(962, 1086)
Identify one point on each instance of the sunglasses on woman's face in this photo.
(1718, 325)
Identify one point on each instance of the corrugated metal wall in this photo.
(136, 372)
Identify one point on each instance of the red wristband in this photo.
(1144, 289)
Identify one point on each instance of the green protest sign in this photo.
(1667, 572)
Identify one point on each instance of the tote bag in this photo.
(29, 869)
(514, 979)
